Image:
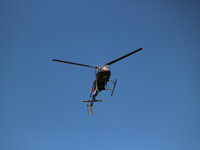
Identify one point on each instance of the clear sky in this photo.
(156, 104)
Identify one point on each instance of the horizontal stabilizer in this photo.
(92, 101)
(98, 101)
(87, 101)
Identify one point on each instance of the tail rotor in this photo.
(90, 109)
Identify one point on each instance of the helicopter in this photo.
(102, 77)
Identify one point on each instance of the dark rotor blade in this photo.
(124, 56)
(72, 63)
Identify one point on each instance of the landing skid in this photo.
(114, 84)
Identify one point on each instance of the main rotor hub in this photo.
(102, 68)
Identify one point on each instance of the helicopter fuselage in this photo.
(102, 76)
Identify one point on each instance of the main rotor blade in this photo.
(72, 63)
(123, 56)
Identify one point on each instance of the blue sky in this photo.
(156, 102)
